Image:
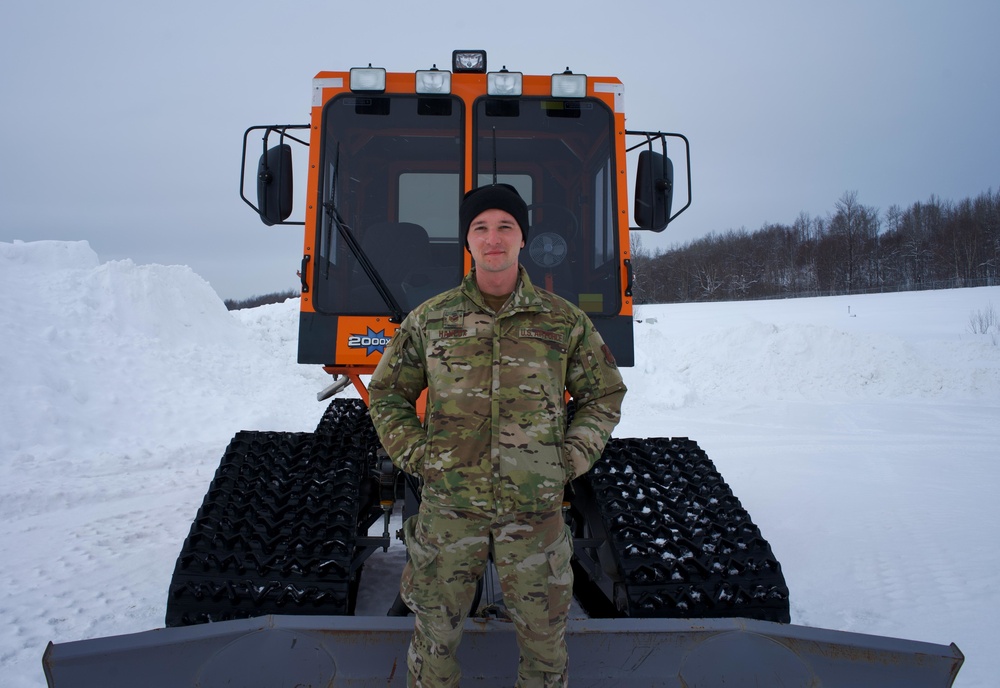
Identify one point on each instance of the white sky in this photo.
(123, 121)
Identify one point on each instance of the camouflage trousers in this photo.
(448, 554)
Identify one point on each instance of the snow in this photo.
(860, 433)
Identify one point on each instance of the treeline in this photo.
(857, 248)
(254, 301)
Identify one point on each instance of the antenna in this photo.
(494, 156)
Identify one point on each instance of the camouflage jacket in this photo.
(495, 439)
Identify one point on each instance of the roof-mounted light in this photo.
(370, 79)
(433, 80)
(569, 85)
(468, 61)
(504, 83)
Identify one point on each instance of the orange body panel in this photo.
(361, 340)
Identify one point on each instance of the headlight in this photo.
(368, 79)
(433, 81)
(569, 85)
(503, 83)
(468, 61)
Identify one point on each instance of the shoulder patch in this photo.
(609, 357)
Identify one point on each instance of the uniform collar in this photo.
(525, 296)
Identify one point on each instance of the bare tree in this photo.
(855, 247)
(986, 215)
(855, 228)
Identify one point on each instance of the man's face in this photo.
(495, 240)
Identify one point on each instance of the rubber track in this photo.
(276, 531)
(684, 545)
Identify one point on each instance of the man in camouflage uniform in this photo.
(496, 356)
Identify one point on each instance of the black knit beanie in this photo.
(496, 196)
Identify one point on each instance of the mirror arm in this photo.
(648, 138)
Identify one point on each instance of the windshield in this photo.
(559, 155)
(391, 175)
(392, 178)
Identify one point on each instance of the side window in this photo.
(604, 226)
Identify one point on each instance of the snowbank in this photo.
(860, 432)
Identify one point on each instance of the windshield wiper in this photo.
(333, 216)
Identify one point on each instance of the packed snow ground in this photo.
(860, 432)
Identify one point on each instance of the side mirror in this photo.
(654, 191)
(274, 184)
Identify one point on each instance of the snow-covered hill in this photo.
(862, 433)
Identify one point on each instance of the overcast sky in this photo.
(123, 120)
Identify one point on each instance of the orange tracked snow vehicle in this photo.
(679, 585)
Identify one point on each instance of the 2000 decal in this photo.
(372, 341)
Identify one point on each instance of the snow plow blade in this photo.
(280, 651)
